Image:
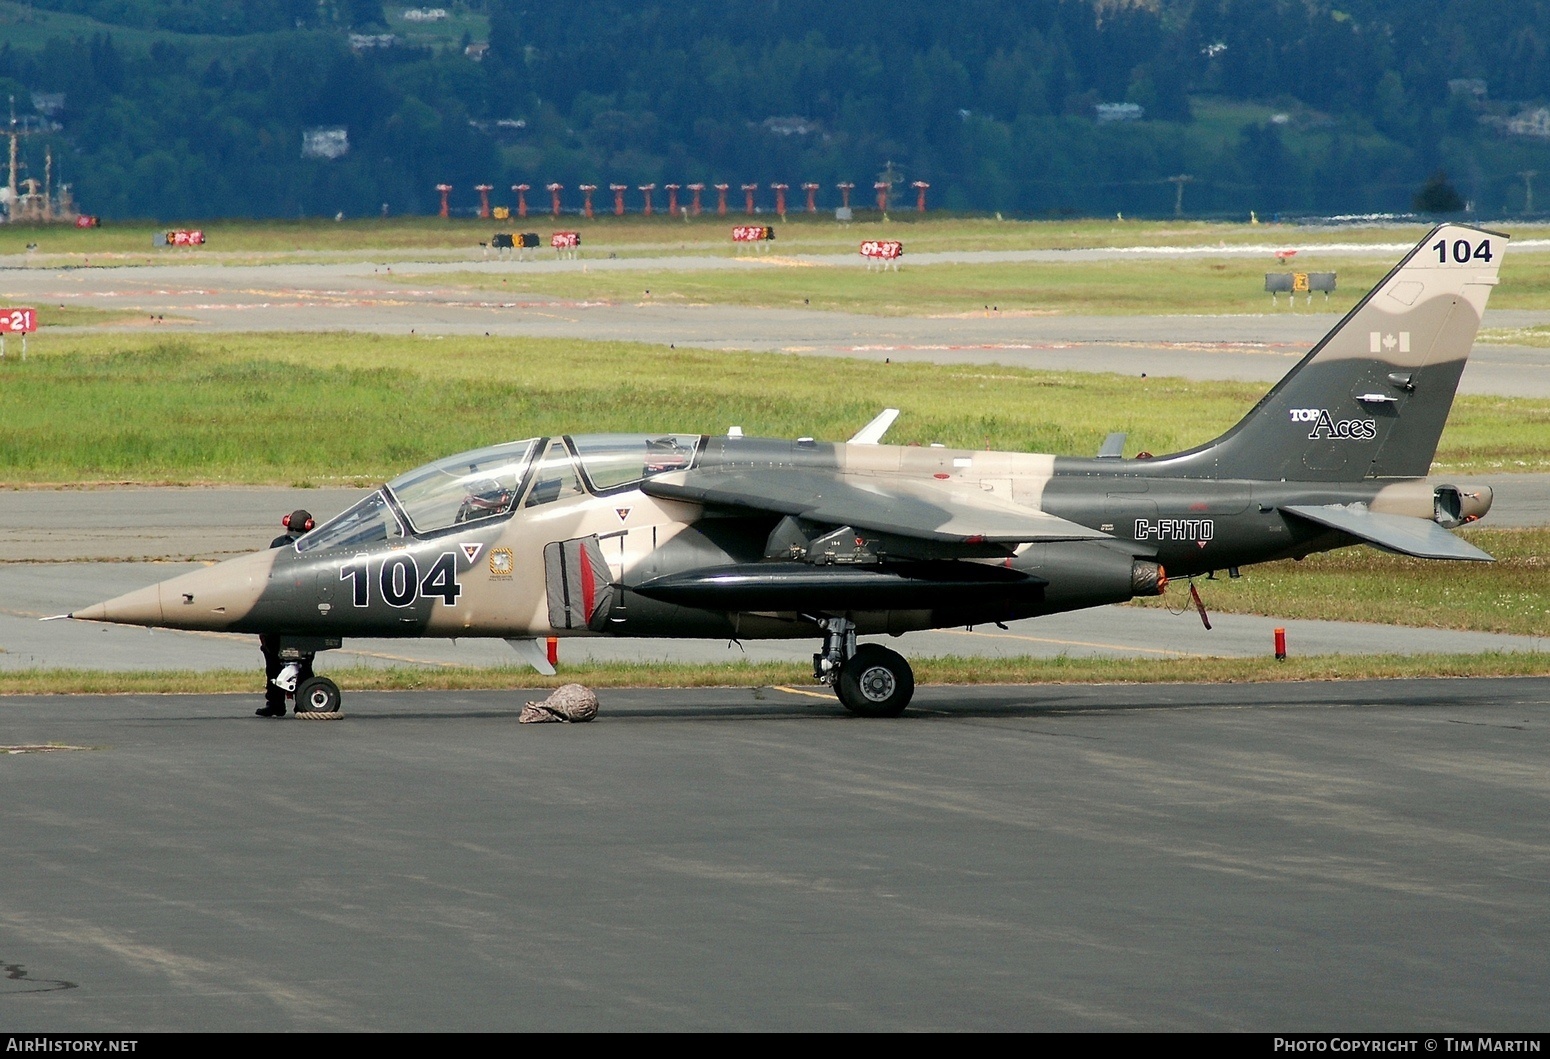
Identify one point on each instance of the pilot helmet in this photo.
(298, 521)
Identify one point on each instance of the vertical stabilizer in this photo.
(1371, 399)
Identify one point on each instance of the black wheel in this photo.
(317, 695)
(875, 682)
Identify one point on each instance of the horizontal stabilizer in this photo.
(1419, 537)
(1113, 446)
(926, 510)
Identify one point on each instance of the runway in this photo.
(1362, 856)
(360, 296)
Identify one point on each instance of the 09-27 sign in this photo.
(18, 321)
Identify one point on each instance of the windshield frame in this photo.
(426, 472)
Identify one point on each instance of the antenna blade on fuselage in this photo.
(534, 653)
(1113, 446)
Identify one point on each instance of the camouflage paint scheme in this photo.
(755, 537)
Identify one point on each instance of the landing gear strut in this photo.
(317, 698)
(870, 680)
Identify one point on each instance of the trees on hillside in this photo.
(992, 101)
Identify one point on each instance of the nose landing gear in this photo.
(869, 679)
(317, 699)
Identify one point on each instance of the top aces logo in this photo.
(1326, 426)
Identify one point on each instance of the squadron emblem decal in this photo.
(622, 512)
(472, 551)
(501, 564)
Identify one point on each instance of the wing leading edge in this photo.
(924, 510)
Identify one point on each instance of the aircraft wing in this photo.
(1419, 537)
(934, 511)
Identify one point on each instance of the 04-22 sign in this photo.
(398, 579)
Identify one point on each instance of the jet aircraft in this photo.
(692, 535)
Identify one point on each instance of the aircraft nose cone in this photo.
(140, 607)
(212, 598)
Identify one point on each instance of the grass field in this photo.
(1104, 288)
(434, 238)
(1189, 286)
(1511, 595)
(345, 407)
(1538, 337)
(948, 671)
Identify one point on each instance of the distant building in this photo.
(1530, 123)
(325, 143)
(504, 128)
(477, 50)
(789, 126)
(368, 41)
(1467, 86)
(424, 14)
(1118, 112)
(48, 104)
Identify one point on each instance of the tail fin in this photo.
(1371, 399)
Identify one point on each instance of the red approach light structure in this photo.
(920, 187)
(646, 190)
(882, 195)
(721, 199)
(780, 199)
(618, 190)
(845, 190)
(444, 189)
(694, 207)
(586, 196)
(484, 199)
(812, 190)
(748, 190)
(672, 199)
(521, 190)
(554, 196)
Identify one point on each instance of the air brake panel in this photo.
(579, 584)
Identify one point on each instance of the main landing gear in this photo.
(870, 680)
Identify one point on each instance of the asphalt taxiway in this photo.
(1353, 856)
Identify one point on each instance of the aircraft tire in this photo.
(317, 699)
(875, 682)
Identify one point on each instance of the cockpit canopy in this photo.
(463, 488)
(487, 483)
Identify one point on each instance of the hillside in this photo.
(168, 108)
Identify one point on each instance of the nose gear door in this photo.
(579, 584)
